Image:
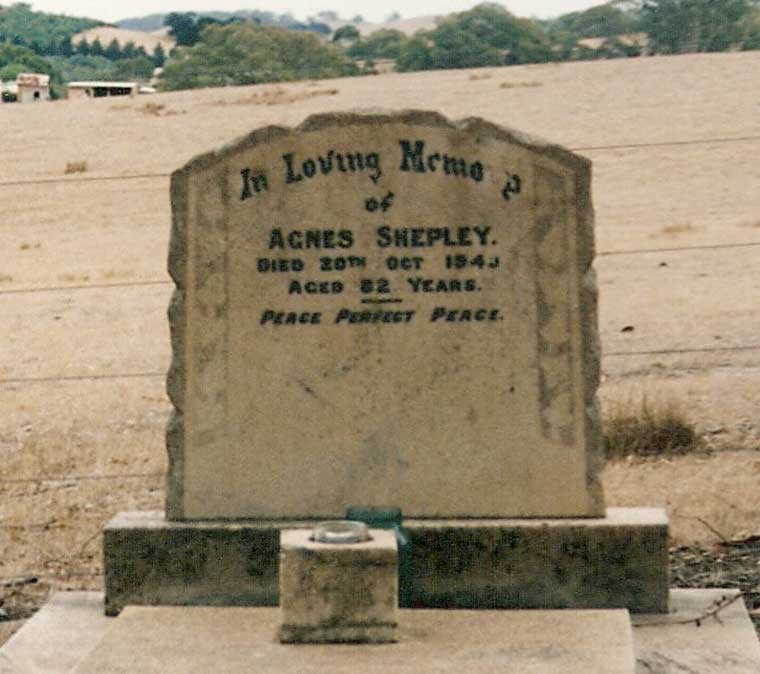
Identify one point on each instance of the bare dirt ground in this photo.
(674, 143)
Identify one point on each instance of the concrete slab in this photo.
(169, 640)
(68, 628)
(675, 644)
(59, 635)
(617, 561)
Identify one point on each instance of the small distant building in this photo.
(377, 66)
(618, 45)
(32, 87)
(84, 90)
(8, 92)
(385, 66)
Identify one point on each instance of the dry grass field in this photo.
(83, 288)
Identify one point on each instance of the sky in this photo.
(371, 10)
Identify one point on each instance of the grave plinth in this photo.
(617, 561)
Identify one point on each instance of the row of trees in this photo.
(684, 26)
(42, 43)
(38, 31)
(221, 50)
(186, 27)
(249, 53)
(488, 35)
(15, 59)
(114, 51)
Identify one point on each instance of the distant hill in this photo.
(153, 22)
(147, 41)
(37, 30)
(407, 26)
(146, 24)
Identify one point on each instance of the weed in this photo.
(277, 96)
(649, 429)
(76, 167)
(515, 85)
(675, 230)
(153, 109)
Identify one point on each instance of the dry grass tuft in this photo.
(70, 278)
(480, 76)
(278, 96)
(75, 167)
(517, 85)
(5, 278)
(675, 230)
(153, 109)
(115, 273)
(651, 429)
(159, 110)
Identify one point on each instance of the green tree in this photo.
(81, 67)
(183, 28)
(129, 51)
(15, 60)
(382, 44)
(246, 53)
(82, 48)
(487, 35)
(96, 49)
(347, 32)
(752, 39)
(416, 54)
(682, 26)
(139, 68)
(159, 57)
(65, 48)
(113, 50)
(23, 56)
(600, 21)
(38, 30)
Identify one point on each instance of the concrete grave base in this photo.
(198, 640)
(71, 626)
(618, 561)
(58, 636)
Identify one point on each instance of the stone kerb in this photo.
(376, 309)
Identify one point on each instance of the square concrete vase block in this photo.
(338, 593)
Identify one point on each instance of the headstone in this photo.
(384, 309)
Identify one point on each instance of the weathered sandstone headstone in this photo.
(384, 309)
